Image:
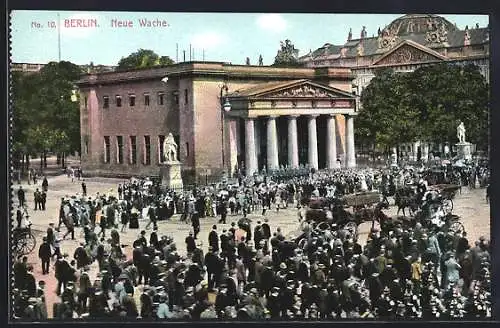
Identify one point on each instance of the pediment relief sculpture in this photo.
(303, 91)
(406, 54)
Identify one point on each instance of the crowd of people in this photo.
(251, 271)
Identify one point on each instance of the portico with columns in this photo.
(287, 124)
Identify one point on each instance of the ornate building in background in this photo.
(407, 43)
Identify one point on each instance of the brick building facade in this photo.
(126, 115)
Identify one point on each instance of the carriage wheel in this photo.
(352, 228)
(457, 227)
(448, 206)
(28, 244)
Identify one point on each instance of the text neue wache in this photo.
(115, 22)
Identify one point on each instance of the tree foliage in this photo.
(45, 119)
(427, 104)
(143, 58)
(287, 55)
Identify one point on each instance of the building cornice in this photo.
(214, 69)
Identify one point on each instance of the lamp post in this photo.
(225, 107)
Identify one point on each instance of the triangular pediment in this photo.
(408, 52)
(293, 89)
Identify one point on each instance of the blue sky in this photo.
(229, 37)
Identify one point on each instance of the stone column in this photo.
(250, 152)
(331, 142)
(350, 151)
(313, 142)
(233, 145)
(293, 144)
(272, 144)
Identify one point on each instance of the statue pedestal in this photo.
(170, 173)
(464, 150)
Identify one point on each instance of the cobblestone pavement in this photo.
(470, 205)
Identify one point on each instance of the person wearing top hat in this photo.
(213, 239)
(153, 239)
(36, 198)
(45, 253)
(21, 196)
(223, 211)
(232, 229)
(190, 243)
(195, 223)
(198, 256)
(43, 200)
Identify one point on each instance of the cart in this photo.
(24, 242)
(446, 193)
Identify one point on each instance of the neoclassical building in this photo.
(405, 44)
(223, 117)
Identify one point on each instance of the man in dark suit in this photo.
(195, 223)
(44, 253)
(30, 282)
(20, 272)
(211, 264)
(190, 243)
(266, 229)
(43, 200)
(21, 196)
(213, 239)
(223, 211)
(84, 290)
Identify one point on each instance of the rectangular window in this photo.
(106, 102)
(119, 149)
(85, 101)
(147, 150)
(118, 101)
(161, 98)
(131, 100)
(186, 96)
(175, 94)
(107, 149)
(161, 155)
(146, 99)
(133, 150)
(187, 149)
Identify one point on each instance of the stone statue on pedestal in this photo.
(170, 149)
(461, 132)
(171, 168)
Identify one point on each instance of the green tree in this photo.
(42, 108)
(387, 117)
(287, 55)
(426, 104)
(143, 58)
(444, 95)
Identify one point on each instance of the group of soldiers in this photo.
(250, 271)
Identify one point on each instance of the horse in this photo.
(406, 198)
(371, 214)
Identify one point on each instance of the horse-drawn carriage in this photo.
(331, 214)
(446, 192)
